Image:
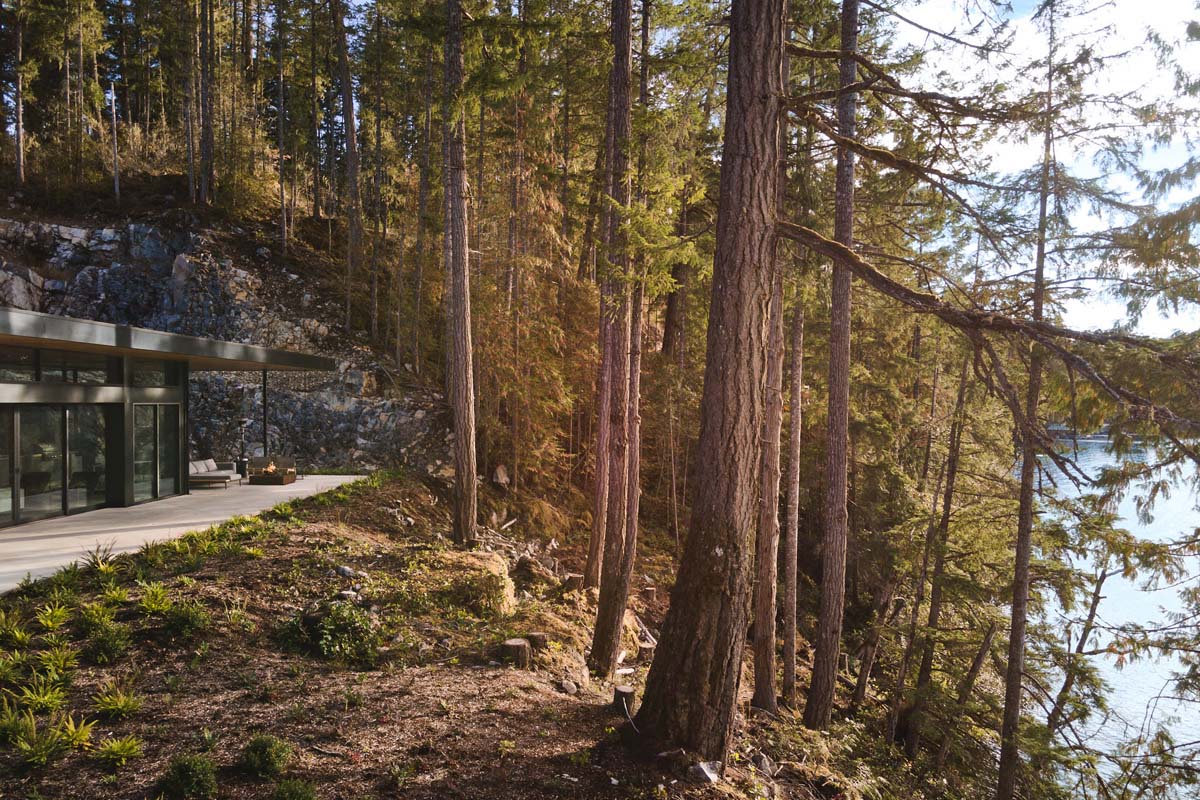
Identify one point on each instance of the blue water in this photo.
(1140, 696)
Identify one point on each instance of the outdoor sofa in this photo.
(207, 472)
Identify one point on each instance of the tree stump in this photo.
(516, 652)
(538, 640)
(623, 699)
(645, 652)
(649, 594)
(572, 582)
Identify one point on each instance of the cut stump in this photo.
(623, 699)
(516, 652)
(538, 640)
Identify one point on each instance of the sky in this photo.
(1128, 22)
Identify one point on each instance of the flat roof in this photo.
(34, 329)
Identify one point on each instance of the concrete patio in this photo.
(41, 548)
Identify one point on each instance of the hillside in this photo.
(345, 626)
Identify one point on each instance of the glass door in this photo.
(42, 462)
(88, 474)
(155, 451)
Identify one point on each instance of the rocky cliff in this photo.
(171, 274)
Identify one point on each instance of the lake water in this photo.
(1136, 687)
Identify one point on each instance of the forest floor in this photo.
(347, 626)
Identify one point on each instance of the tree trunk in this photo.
(791, 530)
(422, 212)
(609, 616)
(460, 382)
(967, 685)
(280, 31)
(206, 103)
(691, 691)
(353, 200)
(1010, 755)
(866, 662)
(767, 542)
(912, 730)
(819, 709)
(19, 98)
(315, 110)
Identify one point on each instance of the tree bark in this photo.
(691, 691)
(819, 709)
(315, 110)
(280, 32)
(607, 634)
(460, 381)
(791, 530)
(767, 541)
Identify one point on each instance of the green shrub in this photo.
(95, 615)
(186, 619)
(40, 746)
(41, 695)
(339, 631)
(266, 756)
(155, 599)
(52, 616)
(58, 660)
(12, 667)
(77, 735)
(14, 723)
(115, 752)
(293, 789)
(12, 630)
(107, 642)
(189, 777)
(115, 594)
(115, 700)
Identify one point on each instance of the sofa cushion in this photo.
(210, 464)
(193, 467)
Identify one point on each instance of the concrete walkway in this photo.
(41, 548)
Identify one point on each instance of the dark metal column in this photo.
(266, 436)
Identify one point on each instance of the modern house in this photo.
(94, 414)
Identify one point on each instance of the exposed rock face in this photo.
(151, 277)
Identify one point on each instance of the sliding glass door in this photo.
(155, 451)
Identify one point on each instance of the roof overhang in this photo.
(33, 329)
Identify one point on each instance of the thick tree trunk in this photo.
(459, 380)
(353, 199)
(692, 688)
(791, 528)
(767, 542)
(1010, 754)
(819, 709)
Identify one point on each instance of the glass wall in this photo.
(168, 450)
(6, 466)
(42, 451)
(58, 366)
(18, 365)
(86, 445)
